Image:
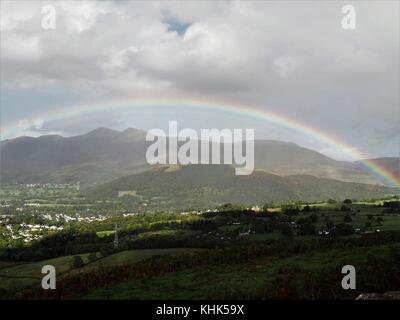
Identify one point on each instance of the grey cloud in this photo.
(292, 57)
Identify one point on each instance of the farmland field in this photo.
(277, 251)
(24, 275)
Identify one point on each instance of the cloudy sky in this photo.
(292, 58)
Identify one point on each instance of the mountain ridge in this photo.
(202, 186)
(105, 154)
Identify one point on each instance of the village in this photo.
(27, 232)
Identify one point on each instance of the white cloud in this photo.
(286, 64)
(292, 57)
(26, 124)
(237, 45)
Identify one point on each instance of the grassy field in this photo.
(361, 214)
(102, 234)
(19, 276)
(131, 257)
(254, 279)
(6, 264)
(263, 236)
(27, 274)
(221, 278)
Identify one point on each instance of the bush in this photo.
(106, 251)
(307, 229)
(347, 218)
(391, 204)
(77, 262)
(343, 229)
(92, 257)
(287, 231)
(314, 218)
(330, 224)
(291, 211)
(344, 208)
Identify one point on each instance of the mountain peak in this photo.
(131, 130)
(102, 131)
(132, 134)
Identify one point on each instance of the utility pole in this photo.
(116, 237)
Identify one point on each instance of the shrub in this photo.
(314, 218)
(347, 218)
(344, 208)
(291, 211)
(307, 229)
(287, 231)
(343, 229)
(77, 262)
(92, 257)
(330, 224)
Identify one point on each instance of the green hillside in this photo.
(25, 275)
(198, 186)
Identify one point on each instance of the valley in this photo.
(230, 251)
(115, 227)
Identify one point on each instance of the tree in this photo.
(92, 257)
(287, 231)
(330, 224)
(221, 220)
(77, 262)
(347, 218)
(229, 207)
(347, 201)
(344, 208)
(343, 229)
(258, 227)
(314, 218)
(106, 251)
(291, 211)
(307, 229)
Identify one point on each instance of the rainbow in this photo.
(243, 110)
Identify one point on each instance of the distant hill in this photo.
(285, 158)
(99, 155)
(390, 163)
(104, 154)
(199, 186)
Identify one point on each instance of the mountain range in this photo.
(104, 154)
(106, 157)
